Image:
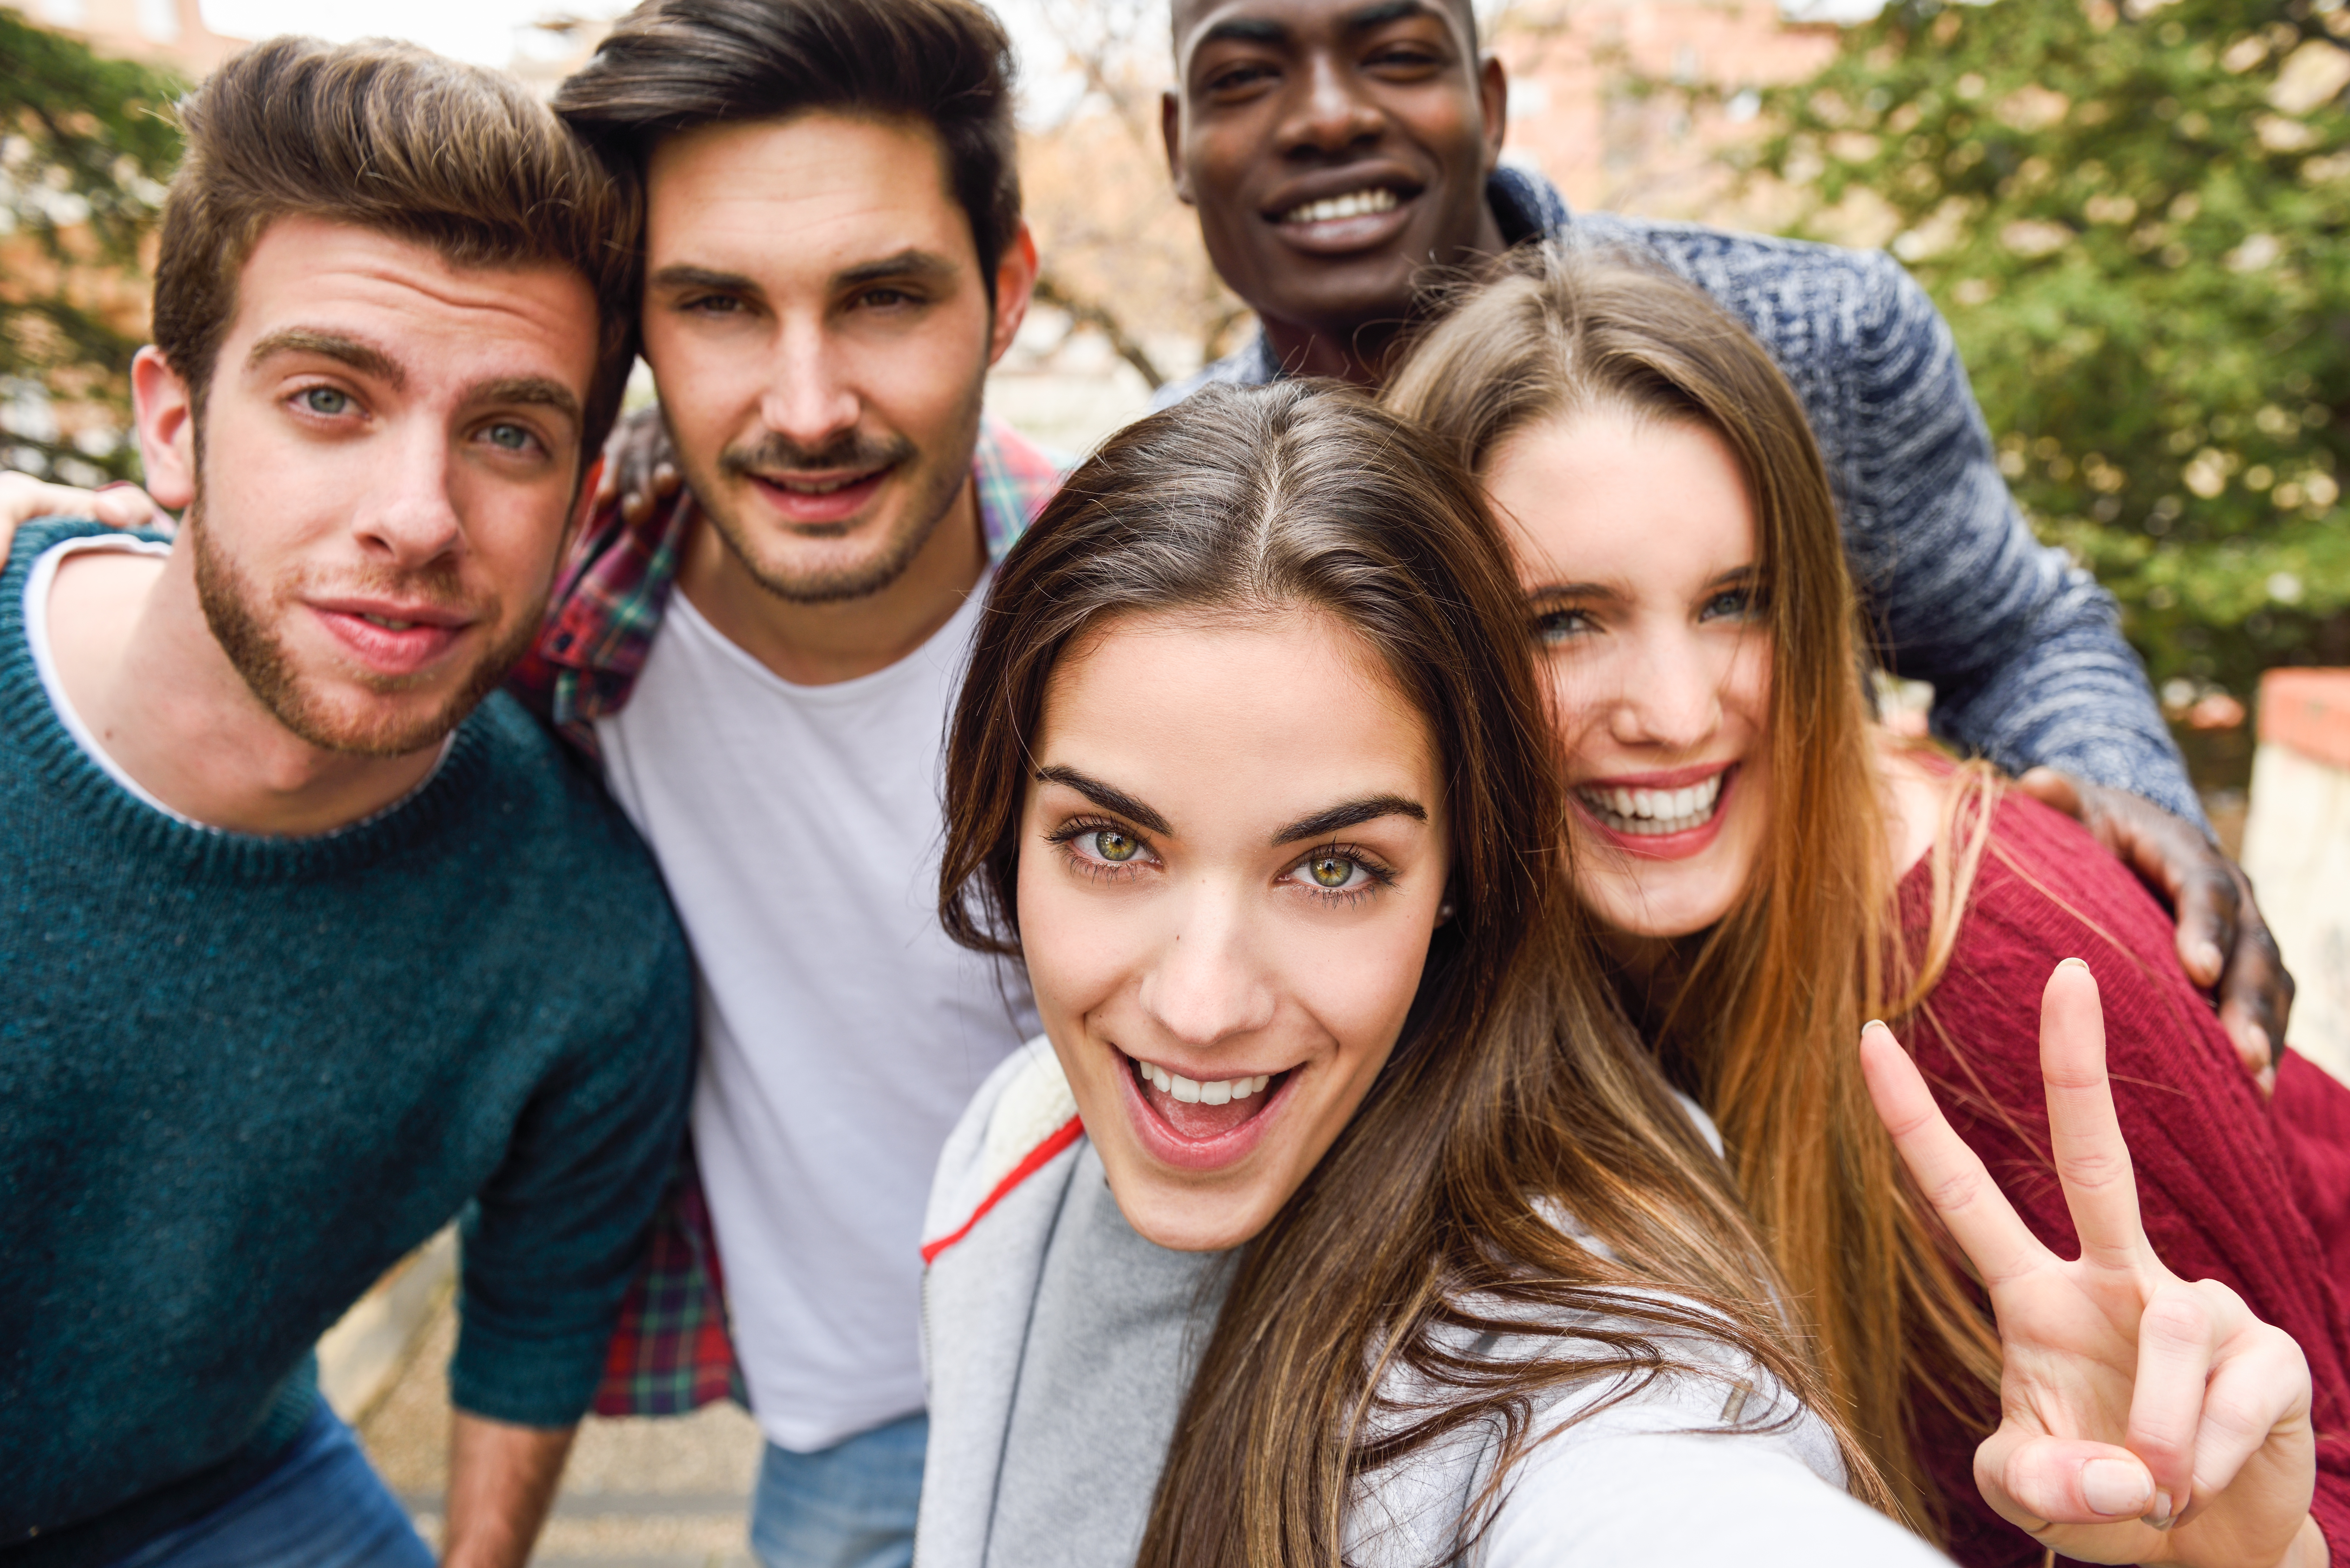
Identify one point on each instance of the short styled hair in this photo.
(390, 137)
(672, 66)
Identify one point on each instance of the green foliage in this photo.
(85, 146)
(2134, 220)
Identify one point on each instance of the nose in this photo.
(1206, 987)
(810, 397)
(411, 518)
(1332, 115)
(1671, 698)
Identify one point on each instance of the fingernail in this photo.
(2159, 1514)
(2074, 963)
(2207, 958)
(2115, 1488)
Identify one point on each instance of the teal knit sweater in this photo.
(240, 1076)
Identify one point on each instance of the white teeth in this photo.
(814, 487)
(1652, 812)
(1223, 1091)
(1353, 204)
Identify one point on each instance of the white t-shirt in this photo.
(799, 829)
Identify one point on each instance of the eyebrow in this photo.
(363, 356)
(1351, 814)
(681, 275)
(908, 263)
(1245, 30)
(535, 390)
(1607, 591)
(1107, 796)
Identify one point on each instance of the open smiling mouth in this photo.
(1204, 1111)
(1654, 813)
(1364, 204)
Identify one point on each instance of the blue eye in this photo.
(1559, 626)
(327, 401)
(510, 437)
(1730, 603)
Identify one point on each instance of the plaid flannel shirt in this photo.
(671, 1353)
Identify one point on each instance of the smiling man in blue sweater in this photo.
(293, 966)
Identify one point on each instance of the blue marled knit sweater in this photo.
(2024, 649)
(240, 1076)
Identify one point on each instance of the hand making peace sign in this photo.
(2143, 1418)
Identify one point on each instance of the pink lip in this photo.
(834, 506)
(1663, 846)
(1169, 1147)
(383, 649)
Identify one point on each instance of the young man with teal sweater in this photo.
(294, 963)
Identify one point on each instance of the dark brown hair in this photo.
(673, 65)
(389, 136)
(1761, 1018)
(1514, 1089)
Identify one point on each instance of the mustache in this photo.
(775, 452)
(436, 586)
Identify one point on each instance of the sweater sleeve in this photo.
(551, 1244)
(2023, 648)
(2220, 1183)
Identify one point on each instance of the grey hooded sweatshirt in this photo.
(1058, 1344)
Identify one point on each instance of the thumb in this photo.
(2051, 788)
(2036, 1481)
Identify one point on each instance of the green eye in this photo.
(1330, 870)
(1114, 845)
(327, 401)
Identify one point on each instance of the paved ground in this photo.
(637, 1494)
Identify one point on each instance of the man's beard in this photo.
(931, 498)
(237, 613)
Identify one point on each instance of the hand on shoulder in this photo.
(24, 499)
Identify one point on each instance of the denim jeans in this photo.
(322, 1507)
(849, 1506)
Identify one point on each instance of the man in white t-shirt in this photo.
(764, 668)
(834, 258)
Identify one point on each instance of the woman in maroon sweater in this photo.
(1768, 868)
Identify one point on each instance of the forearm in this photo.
(502, 1481)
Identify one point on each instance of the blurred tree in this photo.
(1121, 255)
(2135, 219)
(85, 146)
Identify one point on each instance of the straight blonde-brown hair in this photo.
(1516, 1089)
(1760, 1017)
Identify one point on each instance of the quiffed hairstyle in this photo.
(390, 137)
(673, 65)
(1515, 1091)
(1757, 1017)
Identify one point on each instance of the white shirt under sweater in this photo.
(842, 1034)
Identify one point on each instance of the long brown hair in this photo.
(1760, 1018)
(1515, 1086)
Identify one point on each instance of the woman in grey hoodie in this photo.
(1341, 1219)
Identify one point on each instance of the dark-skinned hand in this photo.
(2222, 940)
(640, 465)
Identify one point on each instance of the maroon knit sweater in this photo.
(2256, 1196)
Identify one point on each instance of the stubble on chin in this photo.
(247, 622)
(938, 481)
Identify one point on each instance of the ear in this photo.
(1171, 131)
(165, 416)
(1016, 283)
(1494, 106)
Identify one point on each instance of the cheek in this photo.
(1076, 949)
(1358, 985)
